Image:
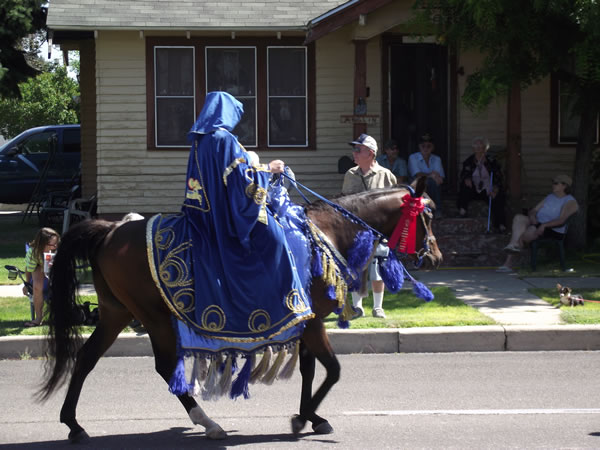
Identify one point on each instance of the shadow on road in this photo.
(177, 437)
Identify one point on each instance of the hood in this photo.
(220, 110)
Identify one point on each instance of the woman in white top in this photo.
(547, 219)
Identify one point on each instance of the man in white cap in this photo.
(367, 175)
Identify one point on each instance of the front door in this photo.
(418, 97)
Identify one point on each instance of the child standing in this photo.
(45, 241)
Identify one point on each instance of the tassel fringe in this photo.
(177, 384)
(209, 391)
(288, 370)
(240, 385)
(226, 376)
(272, 373)
(262, 367)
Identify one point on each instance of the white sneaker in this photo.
(512, 249)
(504, 269)
(378, 313)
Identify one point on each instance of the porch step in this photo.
(465, 242)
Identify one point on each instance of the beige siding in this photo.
(130, 178)
(540, 160)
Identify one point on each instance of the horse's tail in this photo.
(78, 245)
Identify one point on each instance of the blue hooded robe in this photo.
(245, 288)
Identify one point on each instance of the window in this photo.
(287, 96)
(272, 78)
(72, 140)
(174, 94)
(39, 143)
(233, 70)
(565, 120)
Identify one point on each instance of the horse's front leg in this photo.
(315, 343)
(165, 362)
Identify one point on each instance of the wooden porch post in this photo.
(513, 143)
(360, 82)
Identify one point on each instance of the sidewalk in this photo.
(525, 322)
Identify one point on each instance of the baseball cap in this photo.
(367, 141)
(565, 179)
(426, 138)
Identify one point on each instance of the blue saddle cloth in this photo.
(210, 320)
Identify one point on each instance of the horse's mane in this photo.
(354, 201)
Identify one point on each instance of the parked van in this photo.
(48, 156)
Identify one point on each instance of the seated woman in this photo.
(547, 219)
(481, 179)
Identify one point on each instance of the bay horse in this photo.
(118, 258)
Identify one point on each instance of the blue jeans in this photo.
(435, 192)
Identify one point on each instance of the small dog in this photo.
(568, 299)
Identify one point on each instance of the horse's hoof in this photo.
(80, 437)
(297, 424)
(323, 428)
(216, 433)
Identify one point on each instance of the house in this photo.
(312, 75)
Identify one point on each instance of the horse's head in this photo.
(429, 254)
(384, 209)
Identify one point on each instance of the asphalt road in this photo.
(450, 400)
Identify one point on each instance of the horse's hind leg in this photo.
(112, 321)
(315, 344)
(163, 339)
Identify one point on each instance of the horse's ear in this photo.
(419, 185)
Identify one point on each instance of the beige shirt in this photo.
(376, 177)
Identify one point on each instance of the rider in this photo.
(235, 236)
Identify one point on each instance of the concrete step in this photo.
(466, 242)
(480, 250)
(468, 225)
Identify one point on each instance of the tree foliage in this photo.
(18, 19)
(524, 41)
(520, 40)
(48, 99)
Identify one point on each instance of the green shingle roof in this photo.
(185, 15)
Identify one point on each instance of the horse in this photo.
(117, 254)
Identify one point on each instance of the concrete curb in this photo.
(493, 338)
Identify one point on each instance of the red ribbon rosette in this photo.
(404, 234)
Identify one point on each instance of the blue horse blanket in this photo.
(198, 292)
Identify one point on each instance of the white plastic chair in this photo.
(81, 208)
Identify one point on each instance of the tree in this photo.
(523, 41)
(18, 19)
(48, 99)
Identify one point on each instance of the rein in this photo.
(400, 229)
(347, 214)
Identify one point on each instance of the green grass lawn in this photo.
(405, 310)
(12, 244)
(588, 314)
(579, 264)
(15, 311)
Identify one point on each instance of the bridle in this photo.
(421, 254)
(425, 251)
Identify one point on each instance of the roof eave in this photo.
(340, 16)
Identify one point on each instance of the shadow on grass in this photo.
(405, 310)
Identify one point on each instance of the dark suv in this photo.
(39, 160)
